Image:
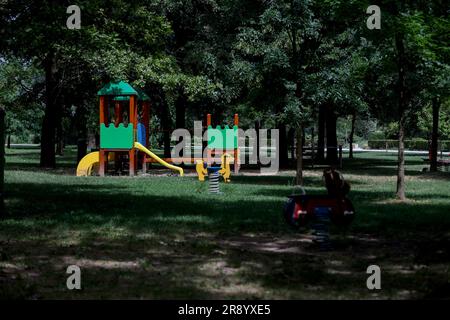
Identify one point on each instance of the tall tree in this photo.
(2, 160)
(437, 72)
(400, 84)
(277, 47)
(37, 32)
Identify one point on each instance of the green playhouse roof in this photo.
(120, 88)
(141, 96)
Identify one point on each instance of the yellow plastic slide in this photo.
(140, 147)
(85, 165)
(88, 162)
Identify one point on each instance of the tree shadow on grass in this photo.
(380, 167)
(107, 220)
(443, 176)
(110, 269)
(29, 161)
(93, 204)
(216, 267)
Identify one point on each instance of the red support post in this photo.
(101, 170)
(132, 153)
(132, 165)
(101, 159)
(117, 113)
(102, 109)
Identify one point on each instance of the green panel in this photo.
(120, 88)
(116, 138)
(222, 138)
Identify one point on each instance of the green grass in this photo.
(166, 237)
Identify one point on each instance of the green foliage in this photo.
(20, 95)
(425, 60)
(275, 61)
(377, 135)
(413, 144)
(424, 121)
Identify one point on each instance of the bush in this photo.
(377, 135)
(412, 144)
(417, 144)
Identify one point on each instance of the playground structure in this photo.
(220, 141)
(124, 114)
(301, 209)
(122, 134)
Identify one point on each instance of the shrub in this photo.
(410, 144)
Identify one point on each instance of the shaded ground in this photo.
(165, 237)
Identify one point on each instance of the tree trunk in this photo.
(321, 134)
(62, 104)
(2, 161)
(97, 140)
(350, 137)
(332, 151)
(180, 115)
(401, 161)
(257, 128)
(59, 137)
(48, 129)
(313, 150)
(81, 127)
(291, 139)
(435, 135)
(166, 126)
(299, 147)
(284, 161)
(401, 107)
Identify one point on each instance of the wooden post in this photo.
(236, 150)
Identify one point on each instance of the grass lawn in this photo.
(164, 236)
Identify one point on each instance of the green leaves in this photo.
(19, 93)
